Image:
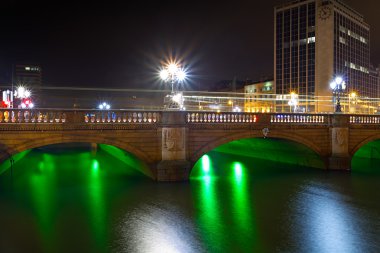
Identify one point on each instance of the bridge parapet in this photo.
(365, 119)
(141, 116)
(214, 117)
(77, 116)
(300, 118)
(260, 118)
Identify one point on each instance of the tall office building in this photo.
(374, 78)
(316, 41)
(28, 75)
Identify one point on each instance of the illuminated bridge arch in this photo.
(246, 135)
(41, 142)
(363, 143)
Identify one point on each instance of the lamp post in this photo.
(338, 86)
(104, 106)
(174, 74)
(351, 98)
(23, 94)
(293, 101)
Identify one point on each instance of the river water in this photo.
(79, 201)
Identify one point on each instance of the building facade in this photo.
(28, 75)
(374, 79)
(259, 97)
(316, 41)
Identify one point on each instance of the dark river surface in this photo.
(263, 200)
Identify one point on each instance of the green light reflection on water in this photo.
(97, 205)
(42, 191)
(243, 211)
(95, 165)
(215, 188)
(208, 206)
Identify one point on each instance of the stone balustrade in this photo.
(77, 116)
(59, 116)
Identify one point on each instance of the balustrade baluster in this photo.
(26, 116)
(14, 117)
(6, 116)
(63, 118)
(139, 115)
(19, 116)
(58, 117)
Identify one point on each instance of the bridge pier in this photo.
(174, 165)
(340, 158)
(174, 170)
(339, 163)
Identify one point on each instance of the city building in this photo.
(29, 75)
(233, 85)
(374, 78)
(316, 41)
(259, 96)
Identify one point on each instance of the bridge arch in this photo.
(40, 142)
(273, 134)
(363, 143)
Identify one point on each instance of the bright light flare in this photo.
(173, 68)
(164, 74)
(178, 98)
(333, 85)
(339, 80)
(181, 75)
(104, 105)
(206, 164)
(238, 171)
(343, 85)
(27, 93)
(173, 72)
(22, 92)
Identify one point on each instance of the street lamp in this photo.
(293, 101)
(104, 106)
(174, 74)
(338, 86)
(23, 94)
(351, 98)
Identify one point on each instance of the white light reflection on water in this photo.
(327, 222)
(152, 228)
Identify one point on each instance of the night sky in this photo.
(112, 45)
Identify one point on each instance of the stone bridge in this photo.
(171, 142)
